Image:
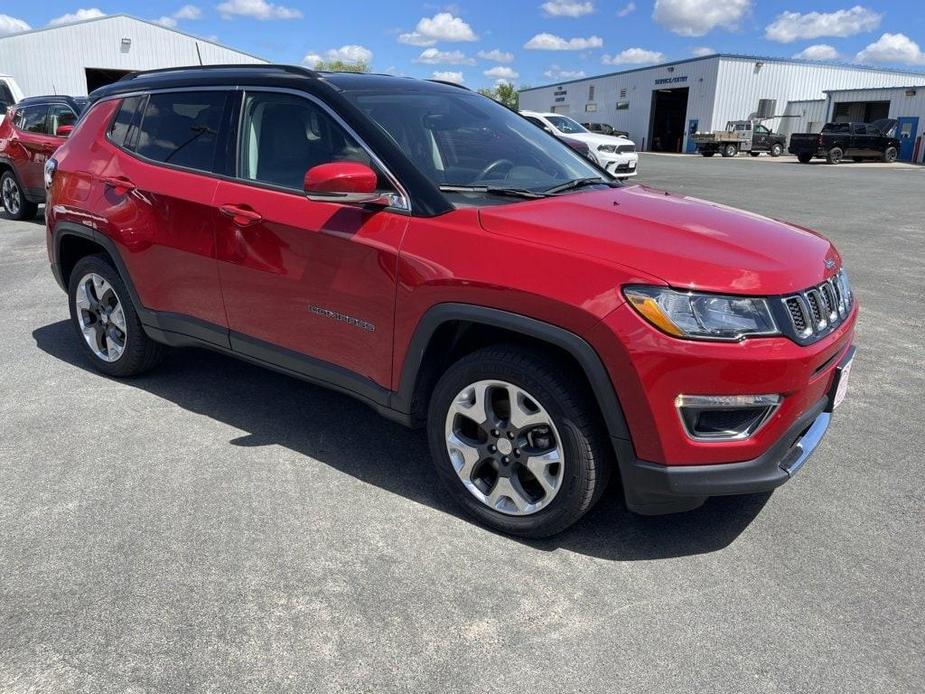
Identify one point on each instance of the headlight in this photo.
(607, 148)
(702, 316)
(844, 287)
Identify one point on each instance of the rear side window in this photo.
(124, 125)
(58, 115)
(181, 128)
(32, 120)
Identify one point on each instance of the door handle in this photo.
(120, 184)
(241, 215)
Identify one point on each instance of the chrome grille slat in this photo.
(817, 310)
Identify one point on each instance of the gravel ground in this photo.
(216, 527)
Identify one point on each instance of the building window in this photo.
(590, 108)
(623, 105)
(623, 93)
(591, 93)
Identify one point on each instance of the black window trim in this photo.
(20, 114)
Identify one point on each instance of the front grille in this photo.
(817, 310)
(625, 149)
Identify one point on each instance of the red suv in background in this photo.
(32, 131)
(436, 256)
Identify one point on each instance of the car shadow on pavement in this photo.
(278, 410)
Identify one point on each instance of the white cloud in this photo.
(413, 38)
(188, 12)
(699, 17)
(790, 26)
(502, 72)
(165, 21)
(821, 51)
(12, 25)
(893, 48)
(434, 56)
(448, 76)
(629, 8)
(701, 51)
(256, 9)
(496, 55)
(351, 53)
(634, 56)
(444, 26)
(551, 42)
(567, 8)
(78, 16)
(557, 73)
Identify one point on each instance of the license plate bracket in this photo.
(839, 388)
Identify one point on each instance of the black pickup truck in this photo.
(857, 141)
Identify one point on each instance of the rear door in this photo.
(314, 278)
(37, 146)
(158, 190)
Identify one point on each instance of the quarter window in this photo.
(283, 136)
(182, 128)
(126, 120)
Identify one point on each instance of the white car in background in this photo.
(616, 154)
(10, 94)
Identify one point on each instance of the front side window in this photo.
(284, 135)
(465, 140)
(32, 120)
(58, 115)
(182, 128)
(565, 125)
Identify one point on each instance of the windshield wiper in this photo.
(579, 183)
(490, 190)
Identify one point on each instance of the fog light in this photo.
(724, 417)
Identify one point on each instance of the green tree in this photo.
(340, 66)
(503, 93)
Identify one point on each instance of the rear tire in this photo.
(15, 205)
(890, 155)
(708, 154)
(554, 426)
(805, 158)
(108, 328)
(776, 150)
(754, 154)
(730, 151)
(834, 155)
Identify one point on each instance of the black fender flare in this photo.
(7, 162)
(587, 358)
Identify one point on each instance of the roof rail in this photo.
(292, 69)
(449, 84)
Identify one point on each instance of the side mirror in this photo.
(343, 181)
(64, 130)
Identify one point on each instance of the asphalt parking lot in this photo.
(216, 527)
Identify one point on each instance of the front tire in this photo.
(14, 200)
(515, 441)
(730, 151)
(890, 155)
(776, 150)
(108, 328)
(834, 155)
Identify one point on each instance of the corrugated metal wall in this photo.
(53, 60)
(722, 88)
(806, 117)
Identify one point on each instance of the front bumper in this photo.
(620, 165)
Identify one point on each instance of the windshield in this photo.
(565, 125)
(464, 140)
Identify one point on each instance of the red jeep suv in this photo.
(438, 257)
(33, 130)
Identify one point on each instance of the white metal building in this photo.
(905, 104)
(661, 105)
(76, 58)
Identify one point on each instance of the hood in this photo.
(596, 139)
(685, 242)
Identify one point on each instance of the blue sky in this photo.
(528, 41)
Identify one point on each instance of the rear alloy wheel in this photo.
(890, 155)
(834, 155)
(776, 150)
(515, 443)
(730, 151)
(106, 321)
(14, 200)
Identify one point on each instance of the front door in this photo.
(906, 131)
(317, 279)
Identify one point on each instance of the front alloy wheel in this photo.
(504, 447)
(101, 317)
